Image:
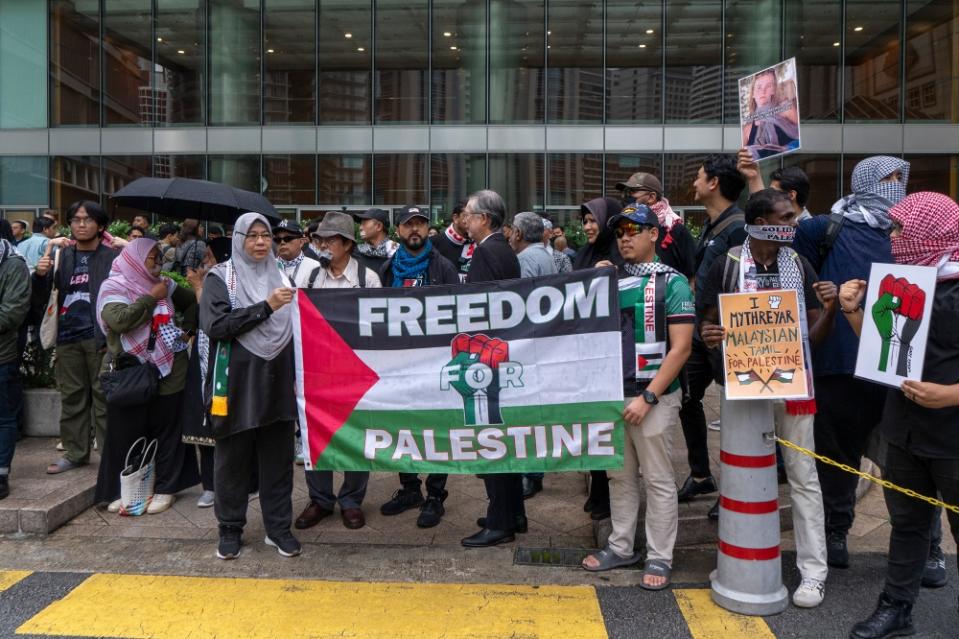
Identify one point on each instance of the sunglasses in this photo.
(629, 230)
(286, 238)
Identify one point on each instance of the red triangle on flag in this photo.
(641, 362)
(334, 378)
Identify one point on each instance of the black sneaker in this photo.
(691, 488)
(431, 511)
(891, 618)
(713, 513)
(4, 486)
(934, 572)
(229, 547)
(837, 555)
(286, 545)
(402, 501)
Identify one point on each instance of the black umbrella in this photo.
(199, 199)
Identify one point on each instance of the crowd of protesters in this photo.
(225, 360)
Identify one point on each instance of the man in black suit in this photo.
(494, 259)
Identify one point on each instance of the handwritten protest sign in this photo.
(895, 325)
(763, 352)
(769, 111)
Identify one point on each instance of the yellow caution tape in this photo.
(876, 480)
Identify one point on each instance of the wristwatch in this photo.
(650, 397)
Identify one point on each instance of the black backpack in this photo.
(829, 237)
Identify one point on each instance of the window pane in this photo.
(402, 60)
(24, 180)
(634, 61)
(241, 171)
(290, 179)
(679, 172)
(516, 61)
(930, 68)
(234, 62)
(453, 176)
(574, 178)
(180, 45)
(872, 60)
(23, 64)
(815, 29)
(345, 180)
(938, 173)
(694, 52)
(823, 173)
(400, 179)
(574, 61)
(345, 49)
(290, 61)
(118, 171)
(752, 43)
(619, 166)
(518, 178)
(127, 51)
(74, 62)
(188, 166)
(73, 178)
(459, 62)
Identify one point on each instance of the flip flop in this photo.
(609, 560)
(656, 568)
(62, 465)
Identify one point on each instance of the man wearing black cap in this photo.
(417, 263)
(377, 247)
(289, 253)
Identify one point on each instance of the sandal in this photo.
(609, 560)
(656, 568)
(62, 465)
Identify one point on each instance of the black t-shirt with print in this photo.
(766, 277)
(76, 315)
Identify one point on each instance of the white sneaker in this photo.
(810, 593)
(159, 503)
(206, 499)
(714, 425)
(114, 507)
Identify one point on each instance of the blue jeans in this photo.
(11, 403)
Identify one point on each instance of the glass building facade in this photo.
(327, 103)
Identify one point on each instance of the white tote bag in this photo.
(137, 479)
(48, 326)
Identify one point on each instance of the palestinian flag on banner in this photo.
(747, 377)
(513, 376)
(783, 376)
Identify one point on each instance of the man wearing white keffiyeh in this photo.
(765, 261)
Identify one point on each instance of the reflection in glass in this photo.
(619, 166)
(872, 60)
(694, 53)
(118, 171)
(634, 61)
(345, 180)
(519, 179)
(453, 177)
(23, 65)
(823, 173)
(574, 36)
(24, 179)
(74, 63)
(401, 69)
(400, 179)
(815, 28)
(574, 178)
(290, 179)
(179, 94)
(241, 171)
(188, 166)
(234, 62)
(752, 43)
(931, 68)
(937, 173)
(73, 178)
(127, 51)
(289, 61)
(679, 172)
(516, 61)
(459, 62)
(344, 75)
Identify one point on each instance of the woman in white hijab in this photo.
(245, 311)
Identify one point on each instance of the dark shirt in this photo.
(931, 432)
(76, 316)
(712, 245)
(493, 259)
(856, 248)
(677, 248)
(458, 254)
(767, 278)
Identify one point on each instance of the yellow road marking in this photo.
(9, 578)
(155, 607)
(706, 620)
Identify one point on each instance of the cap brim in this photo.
(622, 186)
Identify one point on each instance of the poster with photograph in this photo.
(769, 111)
(895, 323)
(763, 354)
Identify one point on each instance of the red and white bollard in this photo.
(748, 575)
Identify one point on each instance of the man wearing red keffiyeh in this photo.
(921, 420)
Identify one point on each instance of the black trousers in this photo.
(505, 492)
(435, 484)
(269, 449)
(911, 518)
(848, 410)
(700, 373)
(176, 467)
(206, 466)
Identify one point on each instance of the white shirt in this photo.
(300, 274)
(349, 278)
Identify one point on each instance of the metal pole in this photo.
(748, 575)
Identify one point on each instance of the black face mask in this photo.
(628, 198)
(325, 257)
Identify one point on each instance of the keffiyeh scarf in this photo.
(930, 233)
(872, 198)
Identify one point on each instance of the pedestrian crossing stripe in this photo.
(706, 620)
(9, 578)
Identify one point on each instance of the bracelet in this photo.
(852, 312)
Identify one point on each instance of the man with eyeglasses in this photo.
(83, 267)
(289, 242)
